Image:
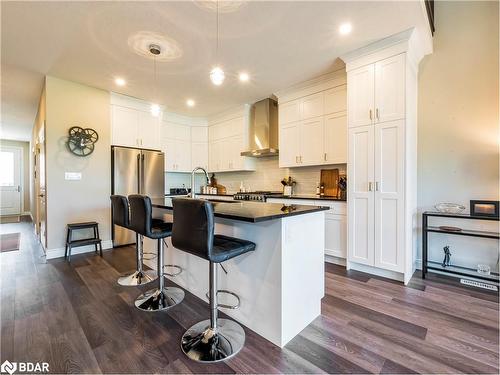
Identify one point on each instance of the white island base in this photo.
(280, 284)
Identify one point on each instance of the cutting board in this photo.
(329, 179)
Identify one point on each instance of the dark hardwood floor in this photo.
(79, 320)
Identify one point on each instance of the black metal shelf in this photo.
(454, 269)
(463, 271)
(465, 232)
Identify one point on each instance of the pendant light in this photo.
(217, 74)
(155, 50)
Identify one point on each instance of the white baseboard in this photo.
(398, 276)
(59, 251)
(335, 260)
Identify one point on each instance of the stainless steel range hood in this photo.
(263, 129)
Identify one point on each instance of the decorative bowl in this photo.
(449, 208)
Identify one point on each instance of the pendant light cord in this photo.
(154, 80)
(217, 42)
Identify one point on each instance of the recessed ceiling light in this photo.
(120, 81)
(345, 28)
(155, 110)
(244, 77)
(190, 103)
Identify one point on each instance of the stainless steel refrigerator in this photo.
(135, 171)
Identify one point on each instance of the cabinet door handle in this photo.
(376, 114)
(370, 187)
(296, 160)
(325, 158)
(376, 186)
(371, 117)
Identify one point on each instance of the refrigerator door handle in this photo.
(142, 174)
(138, 173)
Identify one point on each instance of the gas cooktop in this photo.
(259, 196)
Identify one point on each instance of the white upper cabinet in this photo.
(227, 139)
(335, 100)
(376, 92)
(289, 112)
(133, 128)
(390, 89)
(361, 95)
(310, 145)
(312, 106)
(289, 145)
(199, 147)
(313, 128)
(335, 139)
(124, 122)
(149, 131)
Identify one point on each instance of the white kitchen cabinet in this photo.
(199, 134)
(382, 151)
(336, 235)
(134, 128)
(310, 149)
(389, 195)
(361, 95)
(149, 131)
(199, 155)
(312, 106)
(177, 155)
(226, 142)
(289, 112)
(335, 223)
(360, 170)
(289, 145)
(313, 129)
(335, 139)
(376, 92)
(335, 100)
(390, 89)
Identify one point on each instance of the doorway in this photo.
(11, 181)
(40, 219)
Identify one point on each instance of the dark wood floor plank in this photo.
(328, 361)
(76, 317)
(359, 355)
(426, 349)
(395, 368)
(376, 316)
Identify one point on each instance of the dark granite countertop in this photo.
(253, 212)
(312, 197)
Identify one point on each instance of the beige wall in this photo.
(26, 170)
(458, 128)
(70, 104)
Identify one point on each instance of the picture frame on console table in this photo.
(484, 208)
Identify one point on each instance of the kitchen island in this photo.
(280, 284)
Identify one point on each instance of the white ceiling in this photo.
(280, 43)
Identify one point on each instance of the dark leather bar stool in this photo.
(215, 339)
(120, 216)
(141, 221)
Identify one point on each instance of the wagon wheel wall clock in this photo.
(81, 141)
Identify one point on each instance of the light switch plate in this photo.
(72, 176)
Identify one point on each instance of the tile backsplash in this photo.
(267, 176)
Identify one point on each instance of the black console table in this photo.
(453, 269)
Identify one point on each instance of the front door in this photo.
(10, 180)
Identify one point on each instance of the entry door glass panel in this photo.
(10, 181)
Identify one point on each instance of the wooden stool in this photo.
(70, 242)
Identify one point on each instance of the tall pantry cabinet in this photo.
(381, 117)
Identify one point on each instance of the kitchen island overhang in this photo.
(280, 284)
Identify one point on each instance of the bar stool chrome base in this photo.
(159, 299)
(138, 278)
(202, 343)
